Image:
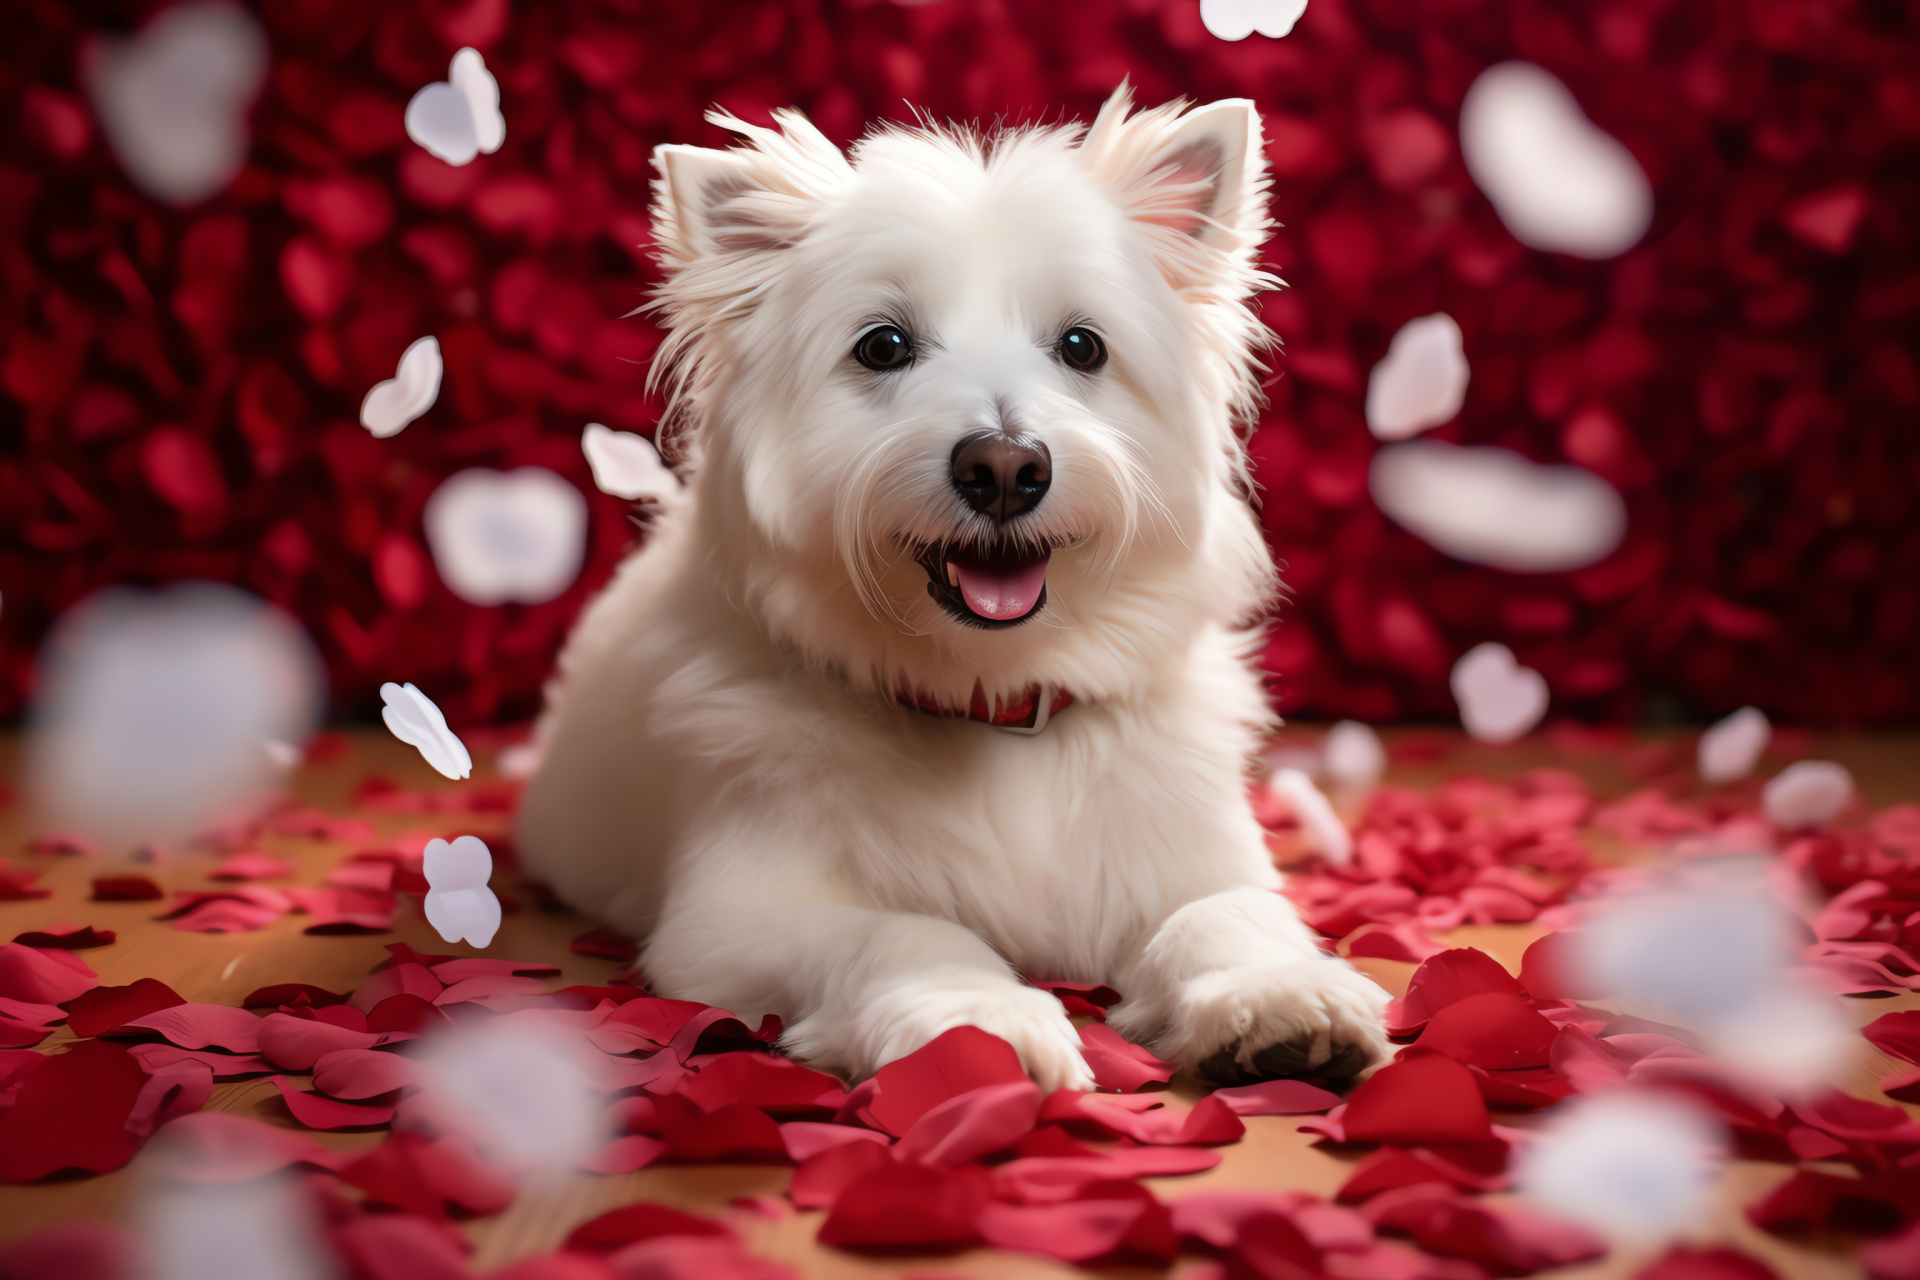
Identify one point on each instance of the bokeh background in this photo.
(179, 386)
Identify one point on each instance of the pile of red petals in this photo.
(1473, 851)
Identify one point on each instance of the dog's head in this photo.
(963, 409)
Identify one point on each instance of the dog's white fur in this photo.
(728, 771)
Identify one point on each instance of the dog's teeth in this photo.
(953, 575)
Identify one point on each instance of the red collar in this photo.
(1028, 712)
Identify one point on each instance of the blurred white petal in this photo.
(507, 536)
(1638, 1167)
(1318, 822)
(459, 118)
(198, 1221)
(392, 404)
(1499, 699)
(514, 1087)
(626, 465)
(153, 708)
(412, 717)
(1558, 182)
(1807, 793)
(1421, 382)
(1353, 756)
(1734, 745)
(522, 760)
(1238, 19)
(1700, 953)
(468, 73)
(1792, 1039)
(173, 99)
(459, 905)
(1491, 506)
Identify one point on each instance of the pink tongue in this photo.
(1002, 594)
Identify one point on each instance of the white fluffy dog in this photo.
(959, 415)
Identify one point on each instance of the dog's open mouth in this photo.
(987, 584)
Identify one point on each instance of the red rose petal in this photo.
(406, 977)
(1430, 1099)
(153, 1056)
(640, 1221)
(1680, 1263)
(1480, 1167)
(295, 1044)
(1508, 1239)
(40, 976)
(356, 1074)
(202, 1026)
(732, 1130)
(1272, 1244)
(68, 938)
(1897, 1034)
(1828, 219)
(175, 1089)
(1083, 999)
(625, 1154)
(1110, 1216)
(1118, 1063)
(104, 1008)
(1406, 942)
(16, 885)
(218, 1146)
(822, 1176)
(71, 1113)
(955, 1062)
(1442, 979)
(757, 1080)
(71, 1251)
(806, 1139)
(1041, 1179)
(1495, 1029)
(1210, 1120)
(423, 1176)
(975, 1124)
(126, 889)
(606, 942)
(251, 864)
(400, 1246)
(1277, 1098)
(907, 1205)
(288, 992)
(23, 1025)
(645, 1024)
(317, 1111)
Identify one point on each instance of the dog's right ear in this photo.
(748, 199)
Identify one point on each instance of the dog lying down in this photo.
(938, 672)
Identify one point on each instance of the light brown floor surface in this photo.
(224, 968)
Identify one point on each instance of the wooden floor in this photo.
(224, 968)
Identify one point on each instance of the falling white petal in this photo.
(1637, 1167)
(1732, 747)
(392, 404)
(1491, 506)
(1353, 757)
(459, 905)
(1559, 182)
(476, 84)
(153, 709)
(626, 465)
(173, 99)
(255, 1228)
(413, 718)
(459, 118)
(1499, 699)
(1318, 822)
(1807, 793)
(515, 1087)
(507, 536)
(1422, 381)
(1238, 19)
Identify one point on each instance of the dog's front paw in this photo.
(902, 1018)
(1312, 1016)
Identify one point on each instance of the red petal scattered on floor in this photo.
(1083, 999)
(178, 1088)
(104, 1008)
(907, 1205)
(71, 1113)
(1477, 1167)
(287, 992)
(640, 1221)
(126, 889)
(759, 1080)
(975, 1124)
(70, 1251)
(1443, 979)
(733, 1130)
(607, 943)
(1419, 1101)
(23, 1025)
(68, 938)
(953, 1063)
(202, 1026)
(252, 864)
(1496, 1029)
(1507, 1239)
(625, 1154)
(820, 1179)
(41, 976)
(295, 1044)
(1897, 1034)
(1107, 1218)
(424, 1176)
(316, 1111)
(354, 1075)
(806, 1139)
(1277, 1098)
(1705, 1264)
(1118, 1063)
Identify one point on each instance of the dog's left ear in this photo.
(1195, 183)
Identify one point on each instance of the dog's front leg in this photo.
(857, 987)
(1235, 986)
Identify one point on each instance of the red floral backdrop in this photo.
(179, 389)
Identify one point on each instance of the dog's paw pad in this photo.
(1317, 1017)
(1286, 1060)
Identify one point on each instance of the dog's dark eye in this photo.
(884, 348)
(1080, 348)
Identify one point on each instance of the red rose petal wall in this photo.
(188, 344)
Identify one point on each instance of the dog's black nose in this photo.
(1000, 475)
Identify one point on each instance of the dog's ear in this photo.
(755, 197)
(1192, 181)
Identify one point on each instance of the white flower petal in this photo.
(1238, 19)
(1422, 381)
(518, 1087)
(1353, 756)
(1730, 749)
(173, 99)
(219, 1228)
(1807, 793)
(154, 707)
(459, 905)
(1638, 1167)
(392, 404)
(626, 465)
(1499, 699)
(1491, 506)
(1558, 182)
(412, 717)
(440, 119)
(507, 536)
(476, 84)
